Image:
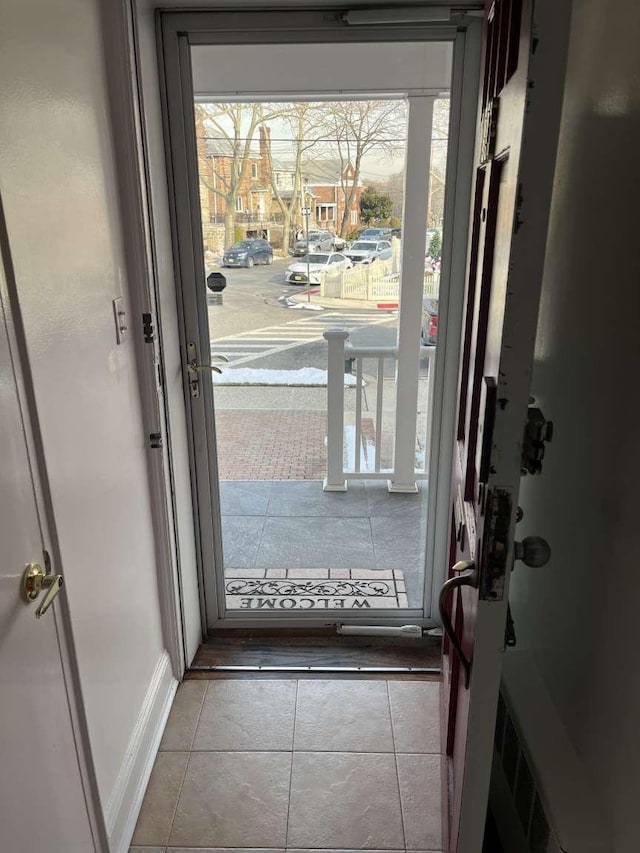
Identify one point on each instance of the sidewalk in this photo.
(342, 304)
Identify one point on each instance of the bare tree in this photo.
(394, 183)
(358, 128)
(305, 123)
(438, 167)
(234, 127)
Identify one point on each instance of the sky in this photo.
(377, 164)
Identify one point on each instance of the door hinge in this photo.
(537, 431)
(155, 440)
(148, 329)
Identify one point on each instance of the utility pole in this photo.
(306, 210)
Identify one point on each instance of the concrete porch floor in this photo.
(364, 542)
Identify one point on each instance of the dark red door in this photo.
(517, 136)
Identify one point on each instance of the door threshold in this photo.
(378, 670)
(307, 653)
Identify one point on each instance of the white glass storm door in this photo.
(321, 452)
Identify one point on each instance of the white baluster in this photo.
(335, 480)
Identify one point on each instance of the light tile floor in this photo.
(280, 766)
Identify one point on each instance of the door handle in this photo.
(34, 580)
(194, 368)
(193, 365)
(468, 579)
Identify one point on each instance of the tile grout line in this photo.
(293, 744)
(195, 730)
(175, 808)
(255, 564)
(395, 761)
(375, 557)
(264, 521)
(308, 751)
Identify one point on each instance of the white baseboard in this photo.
(124, 804)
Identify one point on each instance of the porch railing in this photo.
(348, 457)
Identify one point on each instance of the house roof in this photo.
(322, 171)
(286, 194)
(222, 147)
(282, 165)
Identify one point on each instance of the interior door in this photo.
(42, 802)
(517, 136)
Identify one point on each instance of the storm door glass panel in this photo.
(323, 183)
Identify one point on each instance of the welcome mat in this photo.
(314, 589)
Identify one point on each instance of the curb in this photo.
(342, 303)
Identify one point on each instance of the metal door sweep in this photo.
(382, 670)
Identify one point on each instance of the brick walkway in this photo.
(271, 445)
(268, 444)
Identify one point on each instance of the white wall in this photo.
(579, 614)
(58, 183)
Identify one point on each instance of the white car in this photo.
(368, 251)
(318, 263)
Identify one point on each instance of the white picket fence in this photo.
(372, 282)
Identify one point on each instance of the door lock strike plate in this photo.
(192, 371)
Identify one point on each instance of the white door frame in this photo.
(177, 32)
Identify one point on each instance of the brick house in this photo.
(329, 182)
(215, 161)
(257, 212)
(323, 180)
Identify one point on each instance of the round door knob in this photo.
(534, 551)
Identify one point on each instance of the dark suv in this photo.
(246, 253)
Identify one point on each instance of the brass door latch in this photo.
(34, 580)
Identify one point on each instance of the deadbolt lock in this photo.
(34, 580)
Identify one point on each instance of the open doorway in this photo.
(320, 218)
(325, 180)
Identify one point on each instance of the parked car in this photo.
(319, 262)
(368, 251)
(429, 325)
(339, 243)
(246, 253)
(374, 234)
(319, 241)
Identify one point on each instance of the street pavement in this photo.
(257, 327)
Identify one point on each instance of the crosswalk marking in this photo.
(244, 347)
